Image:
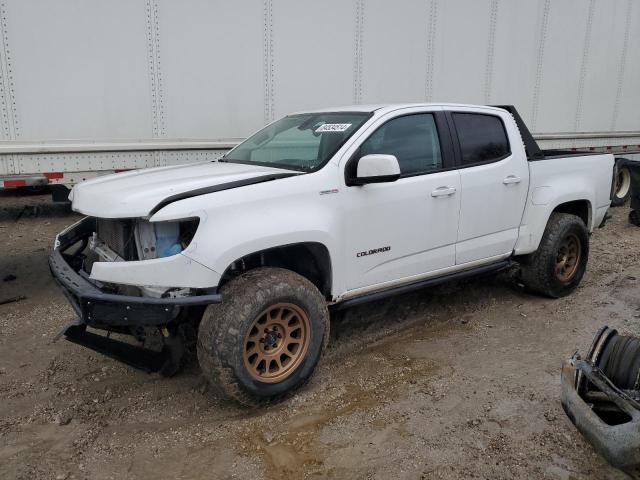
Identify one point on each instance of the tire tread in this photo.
(534, 271)
(218, 335)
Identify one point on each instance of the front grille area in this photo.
(119, 237)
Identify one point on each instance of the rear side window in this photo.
(413, 139)
(482, 137)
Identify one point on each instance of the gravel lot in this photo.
(460, 381)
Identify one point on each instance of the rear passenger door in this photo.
(494, 177)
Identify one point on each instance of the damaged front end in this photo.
(127, 240)
(134, 310)
(601, 396)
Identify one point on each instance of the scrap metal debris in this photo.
(601, 396)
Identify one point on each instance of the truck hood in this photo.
(137, 193)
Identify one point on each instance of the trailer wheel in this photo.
(622, 185)
(266, 337)
(557, 267)
(634, 217)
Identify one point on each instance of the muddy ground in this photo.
(461, 381)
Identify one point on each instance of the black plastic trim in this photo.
(218, 188)
(530, 145)
(553, 154)
(97, 308)
(137, 357)
(378, 179)
(446, 138)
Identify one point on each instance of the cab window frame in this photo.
(458, 147)
(447, 153)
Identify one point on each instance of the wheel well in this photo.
(309, 259)
(580, 208)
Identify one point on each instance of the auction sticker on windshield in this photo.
(333, 127)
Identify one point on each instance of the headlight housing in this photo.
(139, 239)
(164, 239)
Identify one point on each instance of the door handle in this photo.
(511, 179)
(443, 192)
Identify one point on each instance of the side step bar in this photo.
(370, 297)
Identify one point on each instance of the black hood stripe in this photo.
(218, 188)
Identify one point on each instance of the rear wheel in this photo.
(557, 267)
(621, 186)
(265, 339)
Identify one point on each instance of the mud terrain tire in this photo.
(242, 342)
(557, 267)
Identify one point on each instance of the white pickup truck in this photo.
(319, 210)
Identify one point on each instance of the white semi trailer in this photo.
(92, 87)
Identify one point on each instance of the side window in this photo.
(413, 139)
(482, 137)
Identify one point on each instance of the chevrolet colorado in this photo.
(326, 209)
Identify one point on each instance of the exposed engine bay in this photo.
(118, 240)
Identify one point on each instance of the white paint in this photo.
(378, 166)
(136, 193)
(175, 271)
(493, 197)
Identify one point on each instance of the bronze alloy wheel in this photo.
(277, 342)
(568, 258)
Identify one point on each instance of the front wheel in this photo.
(557, 267)
(266, 338)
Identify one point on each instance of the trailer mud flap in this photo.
(634, 172)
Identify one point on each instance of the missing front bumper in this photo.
(98, 308)
(114, 312)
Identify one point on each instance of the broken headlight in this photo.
(164, 239)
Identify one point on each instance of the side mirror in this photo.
(376, 168)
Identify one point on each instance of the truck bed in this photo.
(549, 176)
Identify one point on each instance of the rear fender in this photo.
(537, 216)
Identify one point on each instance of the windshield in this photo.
(303, 142)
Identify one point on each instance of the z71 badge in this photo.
(373, 252)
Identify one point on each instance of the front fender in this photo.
(218, 248)
(238, 222)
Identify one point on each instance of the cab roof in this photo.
(388, 107)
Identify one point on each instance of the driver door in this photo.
(407, 229)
